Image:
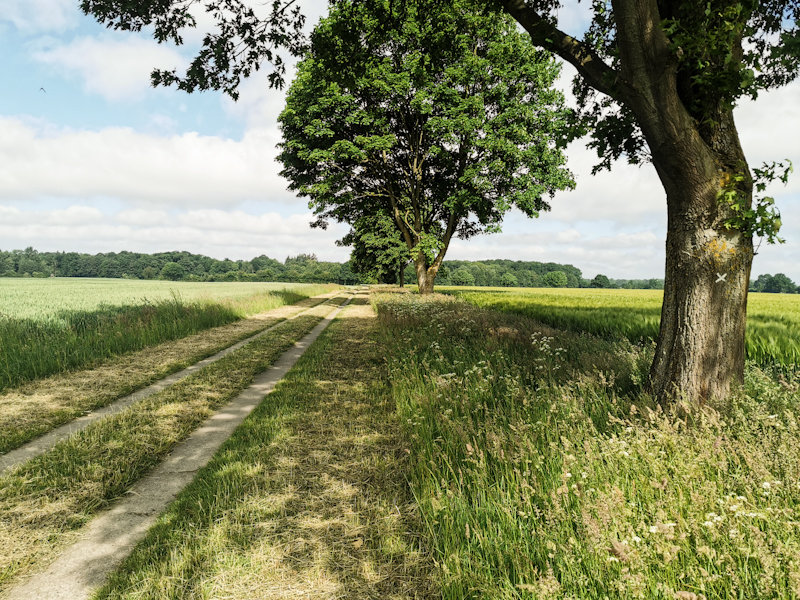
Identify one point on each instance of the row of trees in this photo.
(774, 284)
(303, 268)
(184, 266)
(509, 273)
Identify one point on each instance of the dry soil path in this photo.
(108, 539)
(45, 442)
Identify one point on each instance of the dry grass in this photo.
(37, 407)
(306, 500)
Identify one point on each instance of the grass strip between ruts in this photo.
(50, 495)
(306, 499)
(38, 407)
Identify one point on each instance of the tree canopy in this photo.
(442, 126)
(657, 81)
(379, 251)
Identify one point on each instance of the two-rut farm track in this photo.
(58, 547)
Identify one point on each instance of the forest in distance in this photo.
(303, 268)
(306, 268)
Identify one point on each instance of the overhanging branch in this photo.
(545, 35)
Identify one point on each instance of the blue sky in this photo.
(100, 162)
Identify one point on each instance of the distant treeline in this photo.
(304, 268)
(511, 273)
(183, 266)
(774, 284)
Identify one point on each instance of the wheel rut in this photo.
(110, 537)
(43, 443)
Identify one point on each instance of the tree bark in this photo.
(425, 274)
(701, 344)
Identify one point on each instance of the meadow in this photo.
(49, 326)
(443, 450)
(773, 320)
(543, 471)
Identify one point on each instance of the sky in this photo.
(93, 159)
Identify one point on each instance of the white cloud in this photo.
(142, 217)
(190, 170)
(627, 195)
(117, 68)
(214, 233)
(570, 235)
(626, 256)
(626, 240)
(37, 16)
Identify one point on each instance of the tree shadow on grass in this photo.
(307, 499)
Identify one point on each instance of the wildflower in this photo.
(636, 539)
(766, 485)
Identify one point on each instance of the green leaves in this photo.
(439, 125)
(762, 219)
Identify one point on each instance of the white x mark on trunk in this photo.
(721, 277)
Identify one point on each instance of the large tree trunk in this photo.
(401, 278)
(425, 274)
(701, 343)
(700, 349)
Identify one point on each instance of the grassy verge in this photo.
(773, 320)
(539, 485)
(46, 498)
(37, 407)
(33, 348)
(306, 499)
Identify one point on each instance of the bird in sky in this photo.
(44, 90)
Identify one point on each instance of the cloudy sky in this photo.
(94, 160)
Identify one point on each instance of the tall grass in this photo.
(45, 498)
(543, 472)
(36, 347)
(773, 327)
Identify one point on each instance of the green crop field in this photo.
(45, 298)
(52, 325)
(773, 320)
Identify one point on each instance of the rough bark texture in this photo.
(700, 349)
(425, 274)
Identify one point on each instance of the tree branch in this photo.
(545, 35)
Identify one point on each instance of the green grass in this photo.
(306, 499)
(39, 406)
(773, 328)
(542, 471)
(42, 299)
(44, 499)
(52, 326)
